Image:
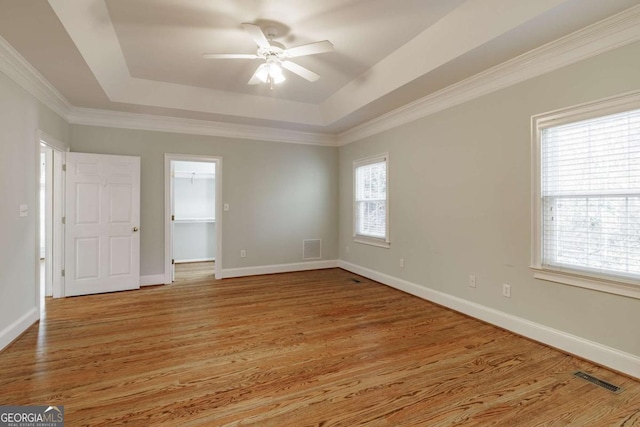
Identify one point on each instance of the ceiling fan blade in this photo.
(310, 49)
(254, 80)
(229, 56)
(258, 36)
(300, 70)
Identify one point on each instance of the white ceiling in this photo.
(145, 56)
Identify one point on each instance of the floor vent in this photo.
(354, 280)
(600, 383)
(311, 249)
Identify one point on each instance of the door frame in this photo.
(48, 217)
(55, 247)
(168, 191)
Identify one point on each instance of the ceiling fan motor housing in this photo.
(272, 51)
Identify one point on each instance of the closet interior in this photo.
(194, 232)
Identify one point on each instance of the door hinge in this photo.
(173, 261)
(64, 219)
(173, 217)
(62, 273)
(64, 168)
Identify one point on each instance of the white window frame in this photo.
(580, 278)
(369, 240)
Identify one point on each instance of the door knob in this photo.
(135, 229)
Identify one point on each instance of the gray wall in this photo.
(194, 241)
(460, 190)
(279, 194)
(21, 116)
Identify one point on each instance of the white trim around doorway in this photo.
(55, 247)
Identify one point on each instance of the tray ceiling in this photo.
(146, 55)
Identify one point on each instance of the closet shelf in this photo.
(193, 220)
(194, 175)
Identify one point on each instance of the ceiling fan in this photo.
(276, 56)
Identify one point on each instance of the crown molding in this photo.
(611, 33)
(116, 119)
(18, 69)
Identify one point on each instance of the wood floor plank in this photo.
(297, 349)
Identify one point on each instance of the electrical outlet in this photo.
(401, 263)
(472, 281)
(243, 254)
(506, 290)
(347, 248)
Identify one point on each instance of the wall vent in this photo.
(311, 249)
(598, 382)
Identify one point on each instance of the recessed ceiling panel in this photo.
(164, 40)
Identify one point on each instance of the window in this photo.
(370, 210)
(587, 201)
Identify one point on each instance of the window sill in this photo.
(622, 287)
(372, 241)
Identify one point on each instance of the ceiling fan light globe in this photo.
(270, 72)
(263, 73)
(275, 71)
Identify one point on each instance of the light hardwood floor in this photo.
(190, 271)
(296, 349)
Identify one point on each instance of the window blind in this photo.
(591, 195)
(371, 199)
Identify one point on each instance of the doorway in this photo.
(50, 227)
(46, 222)
(192, 190)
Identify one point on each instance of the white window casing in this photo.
(586, 195)
(371, 200)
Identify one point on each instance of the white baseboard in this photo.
(593, 351)
(13, 331)
(152, 279)
(279, 268)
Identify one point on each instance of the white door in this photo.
(102, 238)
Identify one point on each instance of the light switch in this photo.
(24, 210)
(226, 207)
